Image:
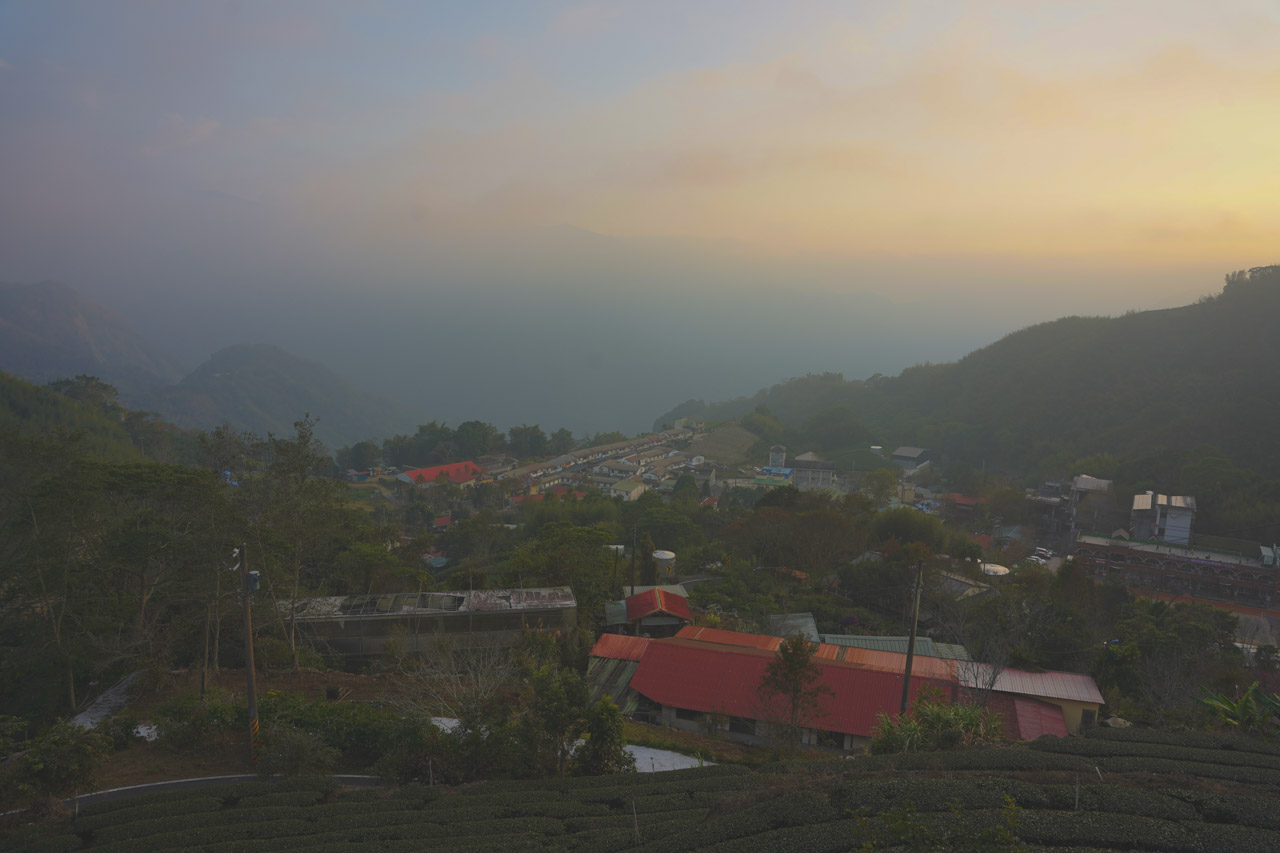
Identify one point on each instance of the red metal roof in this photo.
(655, 600)
(729, 638)
(457, 472)
(1027, 719)
(1070, 686)
(936, 668)
(1036, 718)
(619, 647)
(686, 673)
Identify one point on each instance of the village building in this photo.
(366, 626)
(458, 474)
(705, 676)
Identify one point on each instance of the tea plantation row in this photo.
(1183, 798)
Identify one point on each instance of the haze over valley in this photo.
(581, 215)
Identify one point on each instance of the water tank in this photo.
(666, 560)
(993, 569)
(877, 450)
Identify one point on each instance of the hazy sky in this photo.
(507, 210)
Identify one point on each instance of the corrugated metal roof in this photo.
(1069, 686)
(951, 651)
(790, 624)
(893, 662)
(612, 678)
(730, 638)
(724, 679)
(1036, 718)
(931, 667)
(924, 645)
(1027, 719)
(615, 613)
(619, 647)
(653, 601)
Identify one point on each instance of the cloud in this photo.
(4, 66)
(587, 19)
(177, 132)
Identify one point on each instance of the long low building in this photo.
(1246, 576)
(705, 674)
(365, 626)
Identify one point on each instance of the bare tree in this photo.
(463, 682)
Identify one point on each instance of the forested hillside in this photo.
(1176, 379)
(29, 409)
(49, 332)
(264, 389)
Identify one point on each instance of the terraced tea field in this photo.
(1111, 790)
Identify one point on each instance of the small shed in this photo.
(658, 613)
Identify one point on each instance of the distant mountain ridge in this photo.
(264, 389)
(1202, 374)
(48, 331)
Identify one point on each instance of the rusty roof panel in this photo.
(730, 638)
(726, 679)
(619, 647)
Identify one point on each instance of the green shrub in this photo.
(1100, 829)
(1196, 740)
(293, 752)
(874, 796)
(813, 838)
(993, 759)
(1096, 747)
(360, 731)
(39, 842)
(1241, 809)
(128, 812)
(176, 823)
(64, 758)
(186, 721)
(932, 723)
(625, 818)
(1138, 764)
(279, 798)
(121, 729)
(1214, 838)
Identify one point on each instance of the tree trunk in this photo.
(293, 623)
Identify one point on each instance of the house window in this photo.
(1088, 718)
(686, 714)
(835, 740)
(742, 725)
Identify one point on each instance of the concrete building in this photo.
(1247, 575)
(808, 474)
(912, 459)
(365, 626)
(1162, 518)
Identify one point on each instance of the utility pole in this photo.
(633, 561)
(250, 682)
(911, 642)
